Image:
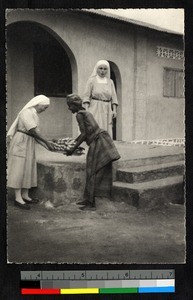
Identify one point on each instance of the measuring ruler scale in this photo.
(97, 282)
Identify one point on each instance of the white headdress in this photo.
(40, 99)
(100, 63)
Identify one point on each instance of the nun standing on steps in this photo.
(100, 96)
(22, 169)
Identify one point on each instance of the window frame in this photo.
(176, 71)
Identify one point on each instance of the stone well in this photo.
(61, 179)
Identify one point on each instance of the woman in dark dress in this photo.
(102, 152)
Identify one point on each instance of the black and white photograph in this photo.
(95, 136)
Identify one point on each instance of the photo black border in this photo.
(10, 273)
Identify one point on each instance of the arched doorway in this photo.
(39, 63)
(117, 123)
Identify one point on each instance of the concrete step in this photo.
(146, 161)
(151, 193)
(151, 172)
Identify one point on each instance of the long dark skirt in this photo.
(102, 152)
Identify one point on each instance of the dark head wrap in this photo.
(74, 99)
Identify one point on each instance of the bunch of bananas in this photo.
(63, 144)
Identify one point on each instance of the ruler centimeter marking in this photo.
(98, 275)
(97, 282)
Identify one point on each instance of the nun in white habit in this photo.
(21, 165)
(100, 96)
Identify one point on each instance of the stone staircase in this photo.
(150, 183)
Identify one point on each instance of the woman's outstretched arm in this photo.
(35, 133)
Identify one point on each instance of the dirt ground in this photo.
(114, 233)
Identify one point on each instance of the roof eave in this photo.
(130, 21)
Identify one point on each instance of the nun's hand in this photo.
(114, 114)
(50, 146)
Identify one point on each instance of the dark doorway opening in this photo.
(112, 75)
(52, 68)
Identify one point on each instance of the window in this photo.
(173, 85)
